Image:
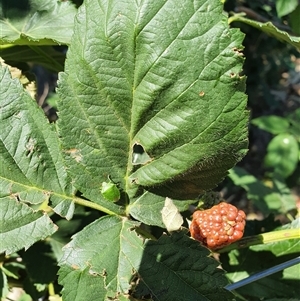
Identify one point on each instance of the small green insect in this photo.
(110, 191)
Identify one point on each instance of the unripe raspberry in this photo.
(218, 226)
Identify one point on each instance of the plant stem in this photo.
(264, 238)
(96, 206)
(245, 13)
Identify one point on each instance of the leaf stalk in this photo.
(92, 205)
(264, 238)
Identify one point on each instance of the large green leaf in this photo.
(20, 226)
(151, 96)
(31, 169)
(108, 254)
(34, 22)
(81, 285)
(167, 272)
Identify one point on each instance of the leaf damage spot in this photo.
(139, 155)
(16, 196)
(18, 115)
(201, 93)
(75, 154)
(30, 146)
(134, 181)
(93, 273)
(75, 267)
(238, 51)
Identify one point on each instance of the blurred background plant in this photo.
(271, 169)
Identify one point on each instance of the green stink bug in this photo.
(110, 191)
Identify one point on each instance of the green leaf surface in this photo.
(46, 56)
(106, 253)
(295, 20)
(81, 285)
(35, 22)
(133, 83)
(13, 269)
(37, 258)
(287, 198)
(32, 169)
(282, 154)
(4, 288)
(294, 119)
(167, 272)
(269, 29)
(19, 220)
(272, 124)
(147, 208)
(284, 7)
(263, 197)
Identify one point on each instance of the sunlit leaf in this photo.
(31, 169)
(106, 254)
(161, 105)
(18, 220)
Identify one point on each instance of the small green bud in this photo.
(110, 191)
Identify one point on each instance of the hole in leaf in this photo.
(139, 156)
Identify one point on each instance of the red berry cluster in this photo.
(218, 226)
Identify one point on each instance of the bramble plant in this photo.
(151, 115)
